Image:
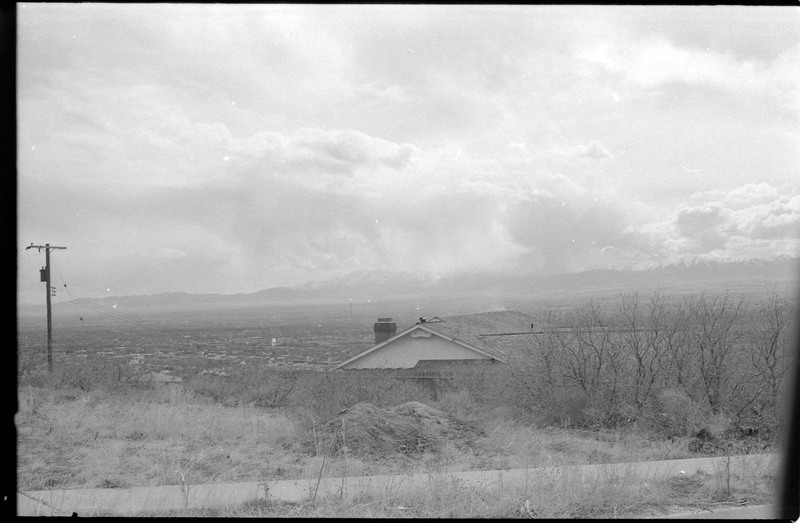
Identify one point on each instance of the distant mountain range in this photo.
(752, 276)
(687, 276)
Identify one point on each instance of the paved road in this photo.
(173, 497)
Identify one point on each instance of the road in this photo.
(131, 501)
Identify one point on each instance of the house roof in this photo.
(495, 334)
(498, 333)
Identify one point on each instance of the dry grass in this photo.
(445, 497)
(159, 438)
(74, 439)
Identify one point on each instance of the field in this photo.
(169, 436)
(250, 410)
(184, 345)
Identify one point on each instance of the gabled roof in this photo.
(498, 333)
(425, 327)
(493, 334)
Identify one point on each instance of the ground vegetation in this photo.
(629, 379)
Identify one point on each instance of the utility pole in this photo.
(45, 276)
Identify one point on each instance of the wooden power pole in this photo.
(45, 276)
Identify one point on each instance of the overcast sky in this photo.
(224, 149)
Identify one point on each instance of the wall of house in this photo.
(406, 351)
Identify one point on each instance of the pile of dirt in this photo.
(410, 428)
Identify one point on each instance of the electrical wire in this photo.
(89, 304)
(65, 286)
(92, 305)
(117, 315)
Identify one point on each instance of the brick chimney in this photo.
(385, 328)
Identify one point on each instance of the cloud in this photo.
(391, 94)
(312, 154)
(346, 149)
(592, 151)
(170, 253)
(394, 215)
(703, 226)
(566, 227)
(740, 197)
(742, 34)
(756, 211)
(268, 145)
(751, 220)
(658, 66)
(774, 220)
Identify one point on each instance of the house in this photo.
(445, 343)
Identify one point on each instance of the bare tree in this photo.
(714, 334)
(645, 337)
(769, 347)
(680, 370)
(535, 373)
(589, 360)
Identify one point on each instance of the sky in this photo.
(221, 148)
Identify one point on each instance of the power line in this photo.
(65, 286)
(111, 313)
(115, 314)
(92, 305)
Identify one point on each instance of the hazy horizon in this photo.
(232, 148)
(750, 279)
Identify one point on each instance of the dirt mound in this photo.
(410, 428)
